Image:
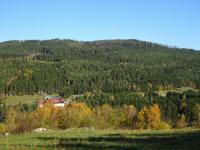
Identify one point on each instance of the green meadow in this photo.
(87, 139)
(22, 99)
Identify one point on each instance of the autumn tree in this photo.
(106, 117)
(10, 120)
(128, 116)
(143, 121)
(23, 122)
(149, 118)
(154, 116)
(2, 128)
(41, 117)
(80, 114)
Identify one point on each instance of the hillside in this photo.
(112, 66)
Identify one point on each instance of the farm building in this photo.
(56, 101)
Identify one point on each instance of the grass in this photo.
(164, 92)
(22, 99)
(12, 100)
(82, 139)
(179, 90)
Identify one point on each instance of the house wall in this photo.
(59, 105)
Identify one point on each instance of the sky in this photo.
(171, 22)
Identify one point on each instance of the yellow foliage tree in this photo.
(42, 117)
(2, 128)
(128, 116)
(77, 115)
(106, 117)
(22, 122)
(143, 122)
(149, 118)
(73, 115)
(11, 120)
(154, 116)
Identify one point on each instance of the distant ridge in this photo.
(111, 66)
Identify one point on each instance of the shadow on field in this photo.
(180, 141)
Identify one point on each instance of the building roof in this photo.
(53, 100)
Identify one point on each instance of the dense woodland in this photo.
(110, 74)
(116, 66)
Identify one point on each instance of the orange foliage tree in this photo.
(149, 118)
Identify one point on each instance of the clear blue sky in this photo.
(172, 22)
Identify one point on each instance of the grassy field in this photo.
(83, 139)
(179, 90)
(22, 99)
(164, 92)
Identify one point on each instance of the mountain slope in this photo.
(111, 66)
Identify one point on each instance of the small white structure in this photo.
(40, 130)
(6, 134)
(59, 105)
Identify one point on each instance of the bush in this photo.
(128, 116)
(163, 126)
(2, 128)
(78, 114)
(106, 117)
(181, 122)
(195, 125)
(11, 120)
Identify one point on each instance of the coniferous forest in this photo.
(114, 66)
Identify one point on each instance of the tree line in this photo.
(79, 115)
(105, 111)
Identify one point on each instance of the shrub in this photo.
(11, 120)
(181, 122)
(106, 117)
(2, 128)
(163, 126)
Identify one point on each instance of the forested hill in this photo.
(110, 66)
